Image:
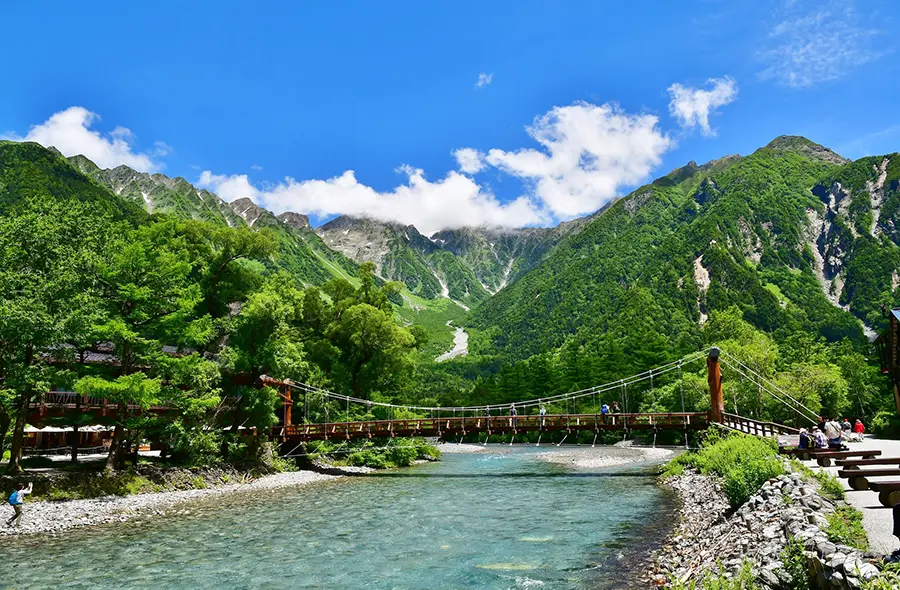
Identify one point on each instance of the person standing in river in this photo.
(16, 500)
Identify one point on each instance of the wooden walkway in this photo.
(457, 426)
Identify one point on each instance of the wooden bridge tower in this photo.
(714, 377)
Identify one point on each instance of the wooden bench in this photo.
(858, 478)
(856, 463)
(824, 456)
(888, 492)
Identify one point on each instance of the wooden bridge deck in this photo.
(457, 426)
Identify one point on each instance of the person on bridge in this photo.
(16, 500)
(543, 413)
(604, 409)
(513, 413)
(804, 439)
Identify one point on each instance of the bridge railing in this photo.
(437, 426)
(757, 427)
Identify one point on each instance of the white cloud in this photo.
(589, 154)
(484, 79)
(454, 201)
(70, 132)
(815, 41)
(692, 106)
(470, 161)
(256, 167)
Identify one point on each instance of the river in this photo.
(495, 519)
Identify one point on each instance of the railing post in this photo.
(714, 378)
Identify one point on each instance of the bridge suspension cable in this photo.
(649, 374)
(777, 393)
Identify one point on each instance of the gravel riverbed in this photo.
(56, 517)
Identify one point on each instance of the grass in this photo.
(829, 485)
(98, 485)
(794, 560)
(743, 462)
(888, 580)
(845, 526)
(744, 580)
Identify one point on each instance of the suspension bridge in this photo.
(530, 415)
(331, 416)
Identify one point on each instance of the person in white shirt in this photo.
(833, 433)
(16, 500)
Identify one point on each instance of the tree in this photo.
(47, 296)
(148, 297)
(373, 347)
(264, 340)
(219, 252)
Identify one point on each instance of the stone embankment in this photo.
(710, 538)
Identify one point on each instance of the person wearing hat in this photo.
(804, 439)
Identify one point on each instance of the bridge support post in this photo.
(714, 377)
(288, 405)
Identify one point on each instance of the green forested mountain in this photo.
(497, 257)
(28, 170)
(797, 237)
(467, 265)
(159, 193)
(774, 254)
(301, 251)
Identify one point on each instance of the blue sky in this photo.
(444, 114)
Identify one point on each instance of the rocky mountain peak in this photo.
(805, 147)
(247, 209)
(295, 220)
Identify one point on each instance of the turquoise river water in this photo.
(496, 519)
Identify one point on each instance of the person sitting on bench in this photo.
(819, 439)
(833, 433)
(804, 439)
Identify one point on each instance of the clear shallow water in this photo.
(499, 519)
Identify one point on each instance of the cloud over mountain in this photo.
(586, 155)
(70, 132)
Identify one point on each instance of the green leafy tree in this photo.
(47, 297)
(147, 297)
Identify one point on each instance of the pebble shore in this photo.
(56, 517)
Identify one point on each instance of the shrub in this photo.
(429, 453)
(888, 580)
(743, 462)
(886, 425)
(744, 580)
(845, 526)
(795, 566)
(402, 456)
